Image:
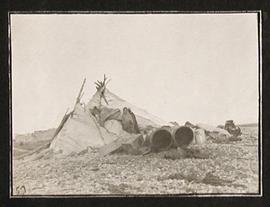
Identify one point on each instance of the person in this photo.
(135, 123)
(232, 129)
(129, 122)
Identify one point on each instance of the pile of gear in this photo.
(232, 129)
(145, 139)
(156, 139)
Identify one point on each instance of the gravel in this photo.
(228, 168)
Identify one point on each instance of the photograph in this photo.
(135, 104)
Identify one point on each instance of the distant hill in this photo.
(36, 135)
(249, 125)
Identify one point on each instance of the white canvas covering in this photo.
(81, 129)
(142, 116)
(210, 128)
(79, 132)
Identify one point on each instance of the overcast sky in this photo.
(200, 68)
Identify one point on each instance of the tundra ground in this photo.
(227, 168)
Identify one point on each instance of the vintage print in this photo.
(117, 104)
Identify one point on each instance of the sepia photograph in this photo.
(135, 104)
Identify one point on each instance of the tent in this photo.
(79, 129)
(143, 117)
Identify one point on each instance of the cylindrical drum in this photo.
(161, 139)
(183, 136)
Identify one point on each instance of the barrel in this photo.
(183, 136)
(161, 139)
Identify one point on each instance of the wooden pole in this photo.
(80, 92)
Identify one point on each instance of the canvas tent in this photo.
(143, 117)
(79, 129)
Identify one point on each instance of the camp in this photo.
(109, 123)
(81, 128)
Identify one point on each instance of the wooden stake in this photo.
(80, 92)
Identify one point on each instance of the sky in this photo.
(180, 67)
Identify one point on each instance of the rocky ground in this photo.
(223, 168)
